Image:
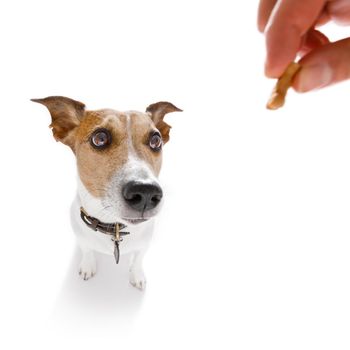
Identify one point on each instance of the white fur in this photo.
(90, 241)
(110, 209)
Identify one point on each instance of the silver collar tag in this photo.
(116, 240)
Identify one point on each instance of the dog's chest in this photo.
(102, 243)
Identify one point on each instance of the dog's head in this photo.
(119, 156)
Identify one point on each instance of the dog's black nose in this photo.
(142, 197)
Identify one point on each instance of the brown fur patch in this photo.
(141, 127)
(96, 167)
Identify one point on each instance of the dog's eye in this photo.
(156, 142)
(101, 138)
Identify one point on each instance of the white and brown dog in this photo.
(119, 157)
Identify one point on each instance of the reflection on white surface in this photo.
(105, 300)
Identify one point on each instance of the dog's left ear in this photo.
(66, 115)
(157, 112)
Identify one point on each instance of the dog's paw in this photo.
(87, 268)
(86, 274)
(137, 279)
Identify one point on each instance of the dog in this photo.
(119, 156)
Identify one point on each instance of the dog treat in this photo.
(283, 84)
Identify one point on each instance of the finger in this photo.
(312, 40)
(324, 66)
(323, 18)
(264, 12)
(289, 22)
(339, 11)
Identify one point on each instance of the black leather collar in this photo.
(97, 225)
(113, 230)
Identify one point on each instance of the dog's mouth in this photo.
(135, 221)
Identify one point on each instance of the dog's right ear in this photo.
(66, 115)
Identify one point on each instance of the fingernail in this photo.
(313, 77)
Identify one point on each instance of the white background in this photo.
(251, 250)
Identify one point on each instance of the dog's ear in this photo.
(66, 115)
(157, 112)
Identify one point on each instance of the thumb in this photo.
(324, 66)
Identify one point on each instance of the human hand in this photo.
(289, 27)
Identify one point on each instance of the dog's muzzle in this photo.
(141, 196)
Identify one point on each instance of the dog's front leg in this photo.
(87, 267)
(136, 275)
